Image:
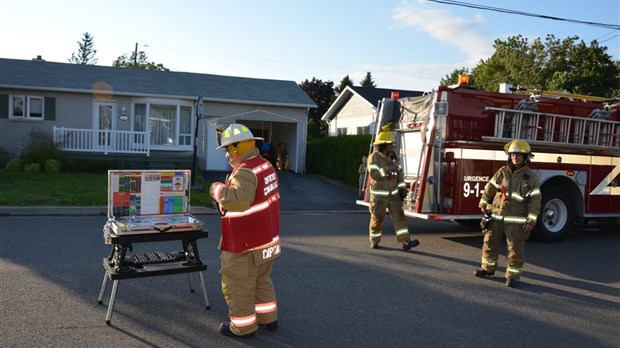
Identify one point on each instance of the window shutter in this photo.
(4, 106)
(50, 109)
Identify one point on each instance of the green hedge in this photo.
(337, 157)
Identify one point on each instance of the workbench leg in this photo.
(204, 290)
(102, 291)
(108, 316)
(189, 280)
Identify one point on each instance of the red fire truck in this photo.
(450, 143)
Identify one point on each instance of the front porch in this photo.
(88, 149)
(102, 141)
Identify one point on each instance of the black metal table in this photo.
(117, 266)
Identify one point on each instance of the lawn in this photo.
(79, 189)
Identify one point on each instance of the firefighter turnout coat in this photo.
(384, 194)
(514, 199)
(250, 241)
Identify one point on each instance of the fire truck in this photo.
(450, 143)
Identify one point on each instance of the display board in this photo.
(149, 201)
(148, 192)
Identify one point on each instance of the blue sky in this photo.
(404, 44)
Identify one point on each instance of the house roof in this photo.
(79, 78)
(370, 94)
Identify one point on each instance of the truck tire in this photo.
(556, 217)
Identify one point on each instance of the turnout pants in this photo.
(515, 241)
(394, 205)
(248, 290)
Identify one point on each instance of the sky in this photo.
(407, 45)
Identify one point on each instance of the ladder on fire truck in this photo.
(597, 131)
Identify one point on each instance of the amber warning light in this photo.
(570, 172)
(463, 79)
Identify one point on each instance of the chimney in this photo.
(39, 58)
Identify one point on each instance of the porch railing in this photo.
(106, 141)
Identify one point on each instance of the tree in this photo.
(346, 81)
(86, 52)
(453, 78)
(551, 64)
(139, 62)
(323, 94)
(368, 81)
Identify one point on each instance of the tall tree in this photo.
(346, 81)
(86, 52)
(323, 94)
(551, 64)
(139, 61)
(368, 81)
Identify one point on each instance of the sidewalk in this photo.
(73, 210)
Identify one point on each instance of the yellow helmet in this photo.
(518, 146)
(235, 133)
(384, 138)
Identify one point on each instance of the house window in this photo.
(362, 130)
(26, 107)
(342, 131)
(169, 125)
(185, 126)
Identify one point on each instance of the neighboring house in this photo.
(105, 111)
(354, 111)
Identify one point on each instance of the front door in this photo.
(103, 123)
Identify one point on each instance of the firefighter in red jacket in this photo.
(511, 202)
(250, 241)
(387, 184)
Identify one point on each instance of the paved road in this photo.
(332, 290)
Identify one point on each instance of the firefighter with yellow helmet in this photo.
(386, 189)
(511, 203)
(249, 202)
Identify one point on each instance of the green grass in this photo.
(79, 189)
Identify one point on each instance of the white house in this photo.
(106, 111)
(354, 111)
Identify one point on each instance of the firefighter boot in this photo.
(511, 283)
(374, 245)
(226, 331)
(481, 273)
(273, 326)
(408, 244)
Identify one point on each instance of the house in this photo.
(354, 111)
(145, 115)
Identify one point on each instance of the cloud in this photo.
(463, 33)
(413, 76)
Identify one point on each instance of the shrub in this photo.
(337, 157)
(4, 157)
(14, 165)
(40, 148)
(32, 168)
(52, 166)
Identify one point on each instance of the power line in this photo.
(521, 13)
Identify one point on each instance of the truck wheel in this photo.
(556, 217)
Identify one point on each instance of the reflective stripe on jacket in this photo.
(383, 183)
(259, 225)
(516, 198)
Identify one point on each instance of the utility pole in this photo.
(135, 57)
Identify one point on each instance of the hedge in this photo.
(337, 157)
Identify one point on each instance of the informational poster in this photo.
(148, 192)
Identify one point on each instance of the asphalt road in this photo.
(333, 291)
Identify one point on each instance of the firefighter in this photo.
(249, 203)
(511, 200)
(387, 187)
